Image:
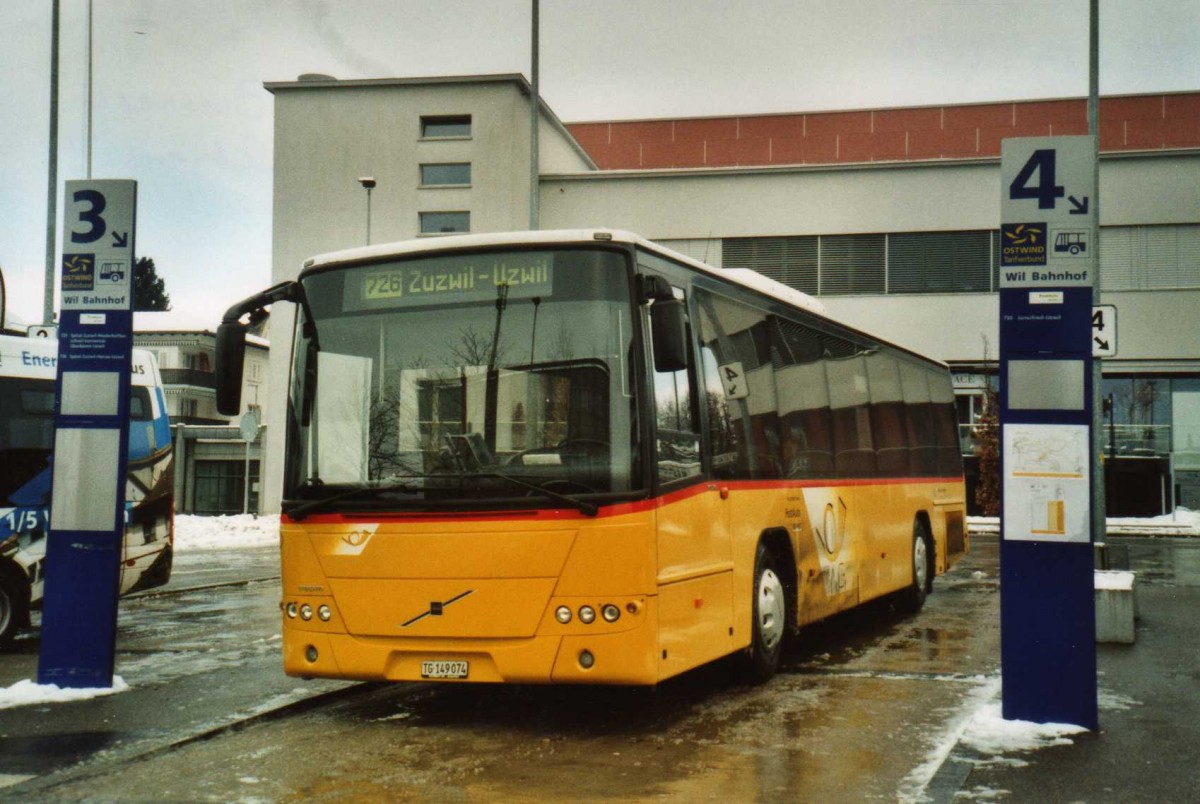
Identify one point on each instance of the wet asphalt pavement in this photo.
(866, 709)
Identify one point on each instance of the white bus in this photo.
(28, 368)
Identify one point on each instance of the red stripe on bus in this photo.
(617, 509)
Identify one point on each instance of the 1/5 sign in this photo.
(1104, 330)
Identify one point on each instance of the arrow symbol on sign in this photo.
(1102, 344)
(121, 239)
(1081, 207)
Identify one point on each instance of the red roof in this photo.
(1132, 123)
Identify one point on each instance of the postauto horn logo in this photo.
(1023, 244)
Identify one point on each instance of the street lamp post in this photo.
(368, 183)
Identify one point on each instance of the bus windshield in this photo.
(480, 377)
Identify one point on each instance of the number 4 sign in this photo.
(1047, 218)
(1104, 330)
(733, 377)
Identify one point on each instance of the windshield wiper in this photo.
(302, 510)
(584, 507)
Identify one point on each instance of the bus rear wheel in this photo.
(769, 624)
(12, 606)
(912, 599)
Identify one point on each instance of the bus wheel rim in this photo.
(770, 609)
(920, 563)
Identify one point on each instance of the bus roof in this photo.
(745, 277)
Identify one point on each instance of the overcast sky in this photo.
(179, 103)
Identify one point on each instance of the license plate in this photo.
(443, 669)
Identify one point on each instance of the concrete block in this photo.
(1116, 606)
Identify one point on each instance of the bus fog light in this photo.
(586, 659)
(633, 607)
(587, 614)
(291, 610)
(324, 612)
(306, 612)
(310, 653)
(562, 614)
(610, 613)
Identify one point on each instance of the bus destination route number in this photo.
(444, 669)
(417, 285)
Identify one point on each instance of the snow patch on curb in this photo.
(979, 726)
(28, 693)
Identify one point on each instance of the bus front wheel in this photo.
(769, 625)
(12, 605)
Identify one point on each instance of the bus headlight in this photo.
(291, 610)
(562, 614)
(610, 613)
(324, 613)
(306, 612)
(587, 615)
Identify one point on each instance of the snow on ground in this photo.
(26, 693)
(979, 727)
(1182, 517)
(990, 734)
(225, 532)
(1183, 522)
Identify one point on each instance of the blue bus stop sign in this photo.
(1047, 269)
(91, 435)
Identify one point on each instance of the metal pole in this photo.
(534, 115)
(1099, 487)
(246, 483)
(89, 90)
(52, 179)
(368, 216)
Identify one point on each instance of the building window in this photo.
(220, 487)
(853, 264)
(1150, 257)
(447, 174)
(790, 260)
(872, 264)
(445, 222)
(940, 262)
(446, 126)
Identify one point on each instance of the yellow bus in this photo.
(579, 457)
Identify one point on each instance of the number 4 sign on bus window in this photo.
(733, 377)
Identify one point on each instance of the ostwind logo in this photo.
(1023, 244)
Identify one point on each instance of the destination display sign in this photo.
(458, 280)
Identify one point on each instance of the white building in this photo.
(211, 457)
(891, 216)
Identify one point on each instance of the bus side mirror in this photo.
(231, 353)
(668, 321)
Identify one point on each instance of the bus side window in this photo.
(728, 461)
(677, 445)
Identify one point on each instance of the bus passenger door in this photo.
(694, 572)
